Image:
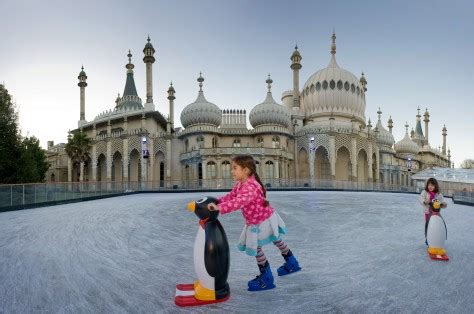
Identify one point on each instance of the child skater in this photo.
(430, 193)
(263, 225)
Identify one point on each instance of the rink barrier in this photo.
(24, 196)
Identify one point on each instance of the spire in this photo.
(363, 81)
(130, 89)
(390, 124)
(379, 113)
(406, 127)
(269, 82)
(333, 63)
(200, 80)
(269, 99)
(419, 131)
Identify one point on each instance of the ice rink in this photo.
(360, 252)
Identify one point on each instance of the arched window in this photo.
(200, 141)
(358, 90)
(311, 89)
(346, 86)
(186, 145)
(332, 84)
(325, 84)
(318, 86)
(226, 169)
(339, 85)
(214, 142)
(236, 143)
(276, 142)
(353, 88)
(259, 141)
(269, 166)
(211, 170)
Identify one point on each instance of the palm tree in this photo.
(78, 147)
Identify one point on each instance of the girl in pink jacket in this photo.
(263, 225)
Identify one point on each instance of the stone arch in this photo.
(159, 168)
(303, 164)
(134, 166)
(101, 168)
(322, 167)
(362, 166)
(343, 164)
(117, 166)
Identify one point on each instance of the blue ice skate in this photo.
(264, 281)
(291, 266)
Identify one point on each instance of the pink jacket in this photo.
(247, 196)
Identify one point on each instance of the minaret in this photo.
(390, 124)
(82, 85)
(117, 100)
(426, 120)
(444, 139)
(296, 66)
(171, 98)
(149, 59)
(449, 157)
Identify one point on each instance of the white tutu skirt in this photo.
(267, 231)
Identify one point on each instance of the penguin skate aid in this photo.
(211, 260)
(263, 225)
(435, 226)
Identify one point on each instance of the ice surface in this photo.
(360, 252)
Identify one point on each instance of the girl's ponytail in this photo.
(266, 203)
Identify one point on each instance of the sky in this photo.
(413, 53)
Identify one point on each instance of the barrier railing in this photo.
(29, 194)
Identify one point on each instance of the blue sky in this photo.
(413, 53)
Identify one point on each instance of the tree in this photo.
(10, 149)
(32, 163)
(467, 164)
(78, 147)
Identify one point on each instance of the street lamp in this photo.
(145, 152)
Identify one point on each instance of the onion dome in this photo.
(384, 137)
(201, 111)
(334, 90)
(406, 145)
(270, 112)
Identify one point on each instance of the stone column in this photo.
(81, 176)
(354, 159)
(168, 162)
(369, 160)
(332, 156)
(69, 169)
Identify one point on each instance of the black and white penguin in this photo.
(211, 254)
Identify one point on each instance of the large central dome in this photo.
(334, 90)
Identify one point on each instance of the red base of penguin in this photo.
(185, 296)
(438, 257)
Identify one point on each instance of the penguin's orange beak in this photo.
(191, 206)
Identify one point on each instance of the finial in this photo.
(333, 46)
(82, 67)
(148, 38)
(171, 83)
(296, 47)
(418, 111)
(378, 112)
(406, 126)
(200, 80)
(269, 82)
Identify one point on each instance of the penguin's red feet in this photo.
(185, 296)
(439, 257)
